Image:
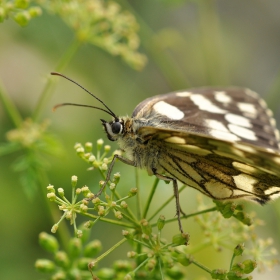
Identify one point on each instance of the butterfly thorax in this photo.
(139, 147)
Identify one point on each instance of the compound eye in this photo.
(116, 127)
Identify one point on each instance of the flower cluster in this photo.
(19, 10)
(102, 24)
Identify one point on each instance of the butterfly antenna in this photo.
(110, 112)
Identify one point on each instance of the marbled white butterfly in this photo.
(220, 141)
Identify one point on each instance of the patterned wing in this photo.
(231, 114)
(222, 142)
(218, 169)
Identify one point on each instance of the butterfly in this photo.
(221, 141)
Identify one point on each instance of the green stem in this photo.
(63, 231)
(188, 216)
(272, 97)
(201, 266)
(48, 89)
(111, 221)
(138, 201)
(165, 203)
(231, 262)
(10, 107)
(211, 43)
(111, 249)
(152, 192)
(173, 75)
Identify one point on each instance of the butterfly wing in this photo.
(215, 145)
(231, 114)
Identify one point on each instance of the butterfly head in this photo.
(113, 129)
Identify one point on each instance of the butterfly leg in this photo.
(176, 195)
(124, 160)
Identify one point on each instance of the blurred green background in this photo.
(187, 43)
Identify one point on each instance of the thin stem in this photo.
(111, 221)
(138, 200)
(10, 107)
(165, 203)
(272, 97)
(152, 192)
(188, 216)
(111, 249)
(173, 75)
(231, 262)
(54, 215)
(48, 89)
(201, 266)
(211, 42)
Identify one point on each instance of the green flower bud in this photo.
(184, 260)
(175, 273)
(107, 148)
(60, 275)
(146, 228)
(131, 254)
(117, 177)
(60, 192)
(238, 250)
(118, 215)
(129, 276)
(80, 151)
(74, 180)
(21, 4)
(77, 146)
(106, 273)
(100, 143)
(48, 242)
(249, 266)
(132, 192)
(124, 204)
(92, 159)
(244, 218)
(83, 263)
(35, 12)
(75, 247)
(150, 265)
(121, 265)
(160, 222)
(79, 233)
(51, 196)
(219, 274)
(92, 248)
(88, 147)
(61, 259)
(181, 239)
(54, 228)
(44, 265)
(50, 189)
(127, 234)
(83, 208)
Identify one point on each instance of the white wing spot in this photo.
(221, 96)
(218, 130)
(168, 110)
(245, 148)
(175, 140)
(242, 131)
(184, 94)
(245, 182)
(247, 108)
(238, 120)
(205, 104)
(251, 93)
(214, 124)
